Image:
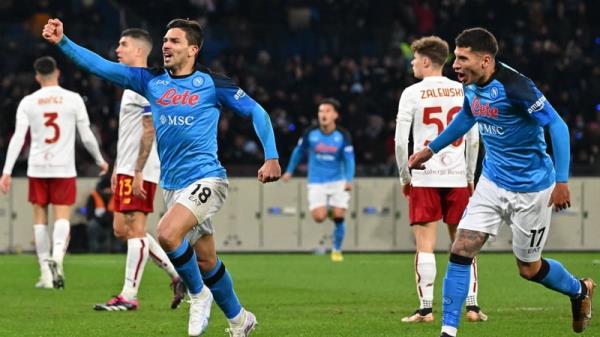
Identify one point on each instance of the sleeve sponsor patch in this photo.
(537, 105)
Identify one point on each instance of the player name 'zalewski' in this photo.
(442, 92)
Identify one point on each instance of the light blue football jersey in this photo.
(185, 111)
(330, 156)
(511, 113)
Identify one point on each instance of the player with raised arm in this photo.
(52, 115)
(443, 190)
(330, 170)
(136, 173)
(519, 183)
(185, 101)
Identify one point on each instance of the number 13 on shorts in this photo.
(125, 189)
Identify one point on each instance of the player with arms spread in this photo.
(330, 170)
(136, 173)
(443, 190)
(519, 183)
(185, 102)
(52, 115)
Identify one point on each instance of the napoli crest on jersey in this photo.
(494, 92)
(198, 81)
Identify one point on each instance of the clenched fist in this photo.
(53, 31)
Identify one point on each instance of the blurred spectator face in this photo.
(469, 65)
(418, 63)
(327, 115)
(176, 49)
(127, 50)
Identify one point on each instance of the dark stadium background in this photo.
(289, 54)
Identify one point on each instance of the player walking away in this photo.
(134, 180)
(185, 101)
(330, 170)
(519, 183)
(443, 191)
(51, 114)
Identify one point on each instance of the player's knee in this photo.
(167, 241)
(206, 263)
(120, 233)
(338, 213)
(534, 272)
(526, 274)
(319, 217)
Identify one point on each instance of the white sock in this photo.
(425, 277)
(60, 238)
(137, 256)
(158, 255)
(42, 248)
(473, 286)
(449, 330)
(237, 319)
(204, 292)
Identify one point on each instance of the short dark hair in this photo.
(333, 102)
(479, 39)
(433, 47)
(192, 29)
(45, 65)
(138, 33)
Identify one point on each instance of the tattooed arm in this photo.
(145, 148)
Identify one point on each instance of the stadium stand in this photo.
(290, 54)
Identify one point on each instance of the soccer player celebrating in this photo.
(134, 180)
(519, 183)
(185, 101)
(52, 114)
(443, 191)
(330, 170)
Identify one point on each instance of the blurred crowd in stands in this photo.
(289, 54)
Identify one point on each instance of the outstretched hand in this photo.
(53, 31)
(270, 171)
(560, 197)
(416, 160)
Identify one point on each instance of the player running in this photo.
(52, 114)
(185, 102)
(134, 180)
(519, 183)
(443, 190)
(330, 170)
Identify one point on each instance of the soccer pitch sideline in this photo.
(291, 295)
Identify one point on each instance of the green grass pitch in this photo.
(291, 295)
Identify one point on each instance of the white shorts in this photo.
(527, 214)
(332, 194)
(203, 198)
